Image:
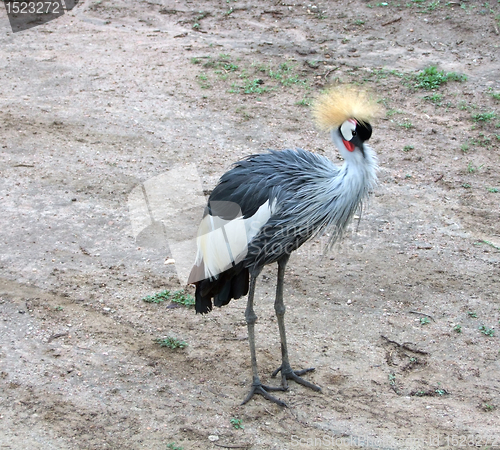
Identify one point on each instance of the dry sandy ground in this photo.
(96, 104)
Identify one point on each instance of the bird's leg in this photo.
(251, 318)
(287, 373)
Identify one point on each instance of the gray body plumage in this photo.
(311, 196)
(307, 195)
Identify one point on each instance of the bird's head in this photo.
(351, 136)
(346, 113)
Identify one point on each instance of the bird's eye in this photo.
(354, 132)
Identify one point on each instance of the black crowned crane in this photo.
(269, 204)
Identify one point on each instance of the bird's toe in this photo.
(260, 389)
(287, 373)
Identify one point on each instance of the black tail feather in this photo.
(233, 283)
(203, 303)
(240, 284)
(223, 296)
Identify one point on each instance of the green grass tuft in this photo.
(406, 124)
(487, 331)
(237, 423)
(254, 87)
(484, 117)
(173, 446)
(284, 74)
(179, 296)
(435, 98)
(171, 342)
(304, 102)
(471, 168)
(424, 321)
(430, 78)
(203, 81)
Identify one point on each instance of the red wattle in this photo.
(348, 145)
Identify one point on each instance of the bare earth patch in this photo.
(400, 320)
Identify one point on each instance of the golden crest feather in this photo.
(341, 103)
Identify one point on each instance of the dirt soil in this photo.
(116, 97)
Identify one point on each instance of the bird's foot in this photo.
(261, 389)
(287, 373)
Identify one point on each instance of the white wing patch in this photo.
(223, 243)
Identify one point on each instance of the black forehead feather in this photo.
(364, 130)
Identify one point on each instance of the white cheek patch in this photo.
(347, 128)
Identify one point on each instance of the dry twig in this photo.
(405, 345)
(56, 336)
(232, 446)
(391, 21)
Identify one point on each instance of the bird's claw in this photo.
(259, 388)
(288, 373)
